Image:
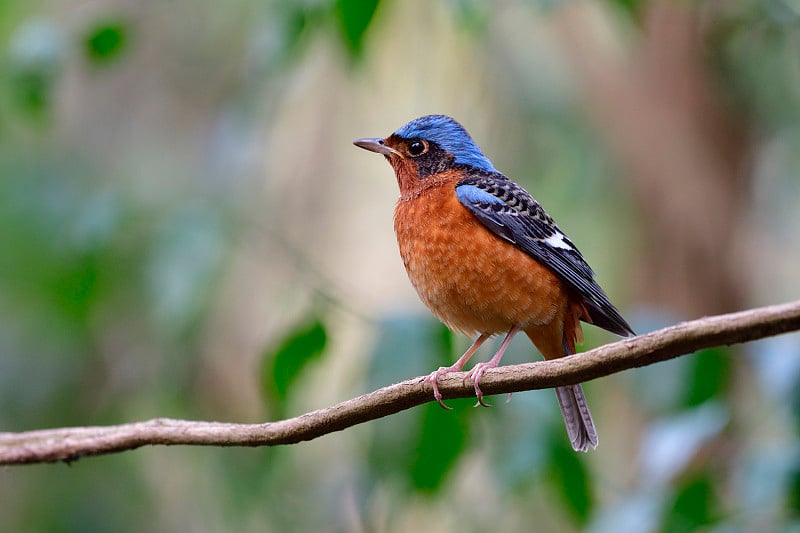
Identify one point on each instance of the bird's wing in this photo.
(511, 213)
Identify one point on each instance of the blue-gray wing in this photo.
(511, 213)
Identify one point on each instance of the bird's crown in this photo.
(450, 136)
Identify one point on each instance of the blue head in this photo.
(450, 136)
(434, 142)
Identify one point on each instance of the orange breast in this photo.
(470, 279)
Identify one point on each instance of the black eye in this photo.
(416, 148)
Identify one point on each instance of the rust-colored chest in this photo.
(470, 279)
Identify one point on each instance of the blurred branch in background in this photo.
(69, 444)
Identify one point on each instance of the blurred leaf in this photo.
(522, 433)
(37, 53)
(299, 20)
(793, 502)
(570, 480)
(75, 287)
(282, 367)
(709, 375)
(672, 442)
(391, 447)
(354, 17)
(441, 439)
(32, 89)
(692, 507)
(758, 47)
(408, 346)
(631, 6)
(683, 382)
(419, 447)
(106, 41)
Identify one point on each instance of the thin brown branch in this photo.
(69, 444)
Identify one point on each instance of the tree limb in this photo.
(69, 444)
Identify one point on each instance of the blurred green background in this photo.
(187, 231)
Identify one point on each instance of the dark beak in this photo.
(374, 144)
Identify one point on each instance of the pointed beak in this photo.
(374, 144)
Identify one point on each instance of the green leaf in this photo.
(106, 41)
(299, 21)
(709, 376)
(570, 478)
(631, 6)
(354, 17)
(283, 366)
(420, 447)
(441, 438)
(793, 492)
(32, 91)
(692, 507)
(36, 57)
(75, 288)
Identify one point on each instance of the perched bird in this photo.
(486, 258)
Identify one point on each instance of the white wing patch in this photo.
(557, 241)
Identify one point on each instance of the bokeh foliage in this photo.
(171, 244)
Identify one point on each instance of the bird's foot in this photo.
(433, 379)
(476, 373)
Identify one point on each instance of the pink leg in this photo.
(479, 369)
(433, 378)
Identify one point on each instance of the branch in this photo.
(69, 444)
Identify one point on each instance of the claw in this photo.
(433, 379)
(478, 370)
(476, 374)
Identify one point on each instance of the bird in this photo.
(486, 258)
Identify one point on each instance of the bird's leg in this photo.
(433, 378)
(479, 369)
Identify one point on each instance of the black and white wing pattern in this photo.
(511, 213)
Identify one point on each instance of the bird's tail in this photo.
(578, 419)
(558, 342)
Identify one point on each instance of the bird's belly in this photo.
(470, 279)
